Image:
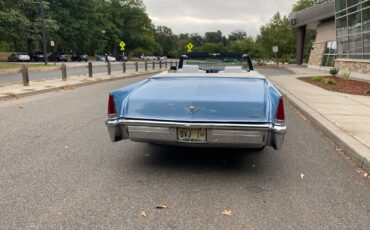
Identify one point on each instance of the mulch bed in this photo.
(342, 86)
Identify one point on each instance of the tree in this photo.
(303, 4)
(278, 32)
(213, 37)
(212, 47)
(166, 39)
(20, 23)
(93, 26)
(196, 39)
(237, 35)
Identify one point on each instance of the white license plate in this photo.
(191, 135)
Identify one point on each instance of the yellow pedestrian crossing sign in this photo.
(190, 47)
(122, 45)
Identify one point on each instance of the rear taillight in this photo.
(280, 115)
(111, 107)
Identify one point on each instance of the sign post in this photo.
(52, 44)
(275, 49)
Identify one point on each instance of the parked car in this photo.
(149, 58)
(19, 57)
(122, 57)
(161, 58)
(270, 63)
(209, 103)
(105, 58)
(111, 59)
(37, 56)
(79, 57)
(57, 57)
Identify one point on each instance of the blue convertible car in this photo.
(208, 100)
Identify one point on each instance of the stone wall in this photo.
(353, 65)
(317, 53)
(325, 32)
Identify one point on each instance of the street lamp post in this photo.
(43, 31)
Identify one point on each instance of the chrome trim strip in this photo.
(191, 124)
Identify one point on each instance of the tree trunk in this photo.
(15, 44)
(29, 45)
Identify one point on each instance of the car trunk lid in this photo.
(199, 99)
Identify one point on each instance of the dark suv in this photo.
(58, 57)
(122, 57)
(37, 56)
(79, 57)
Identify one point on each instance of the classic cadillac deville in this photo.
(208, 100)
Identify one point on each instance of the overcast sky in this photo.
(199, 16)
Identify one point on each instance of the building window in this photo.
(340, 5)
(353, 28)
(330, 53)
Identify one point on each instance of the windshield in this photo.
(213, 63)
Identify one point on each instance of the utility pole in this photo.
(43, 31)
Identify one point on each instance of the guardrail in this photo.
(136, 66)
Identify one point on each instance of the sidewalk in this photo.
(16, 90)
(345, 118)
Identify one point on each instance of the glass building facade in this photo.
(353, 28)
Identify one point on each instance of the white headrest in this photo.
(190, 69)
(233, 69)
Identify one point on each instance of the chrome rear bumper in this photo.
(218, 134)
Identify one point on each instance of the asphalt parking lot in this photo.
(60, 170)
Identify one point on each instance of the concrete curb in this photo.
(349, 145)
(30, 69)
(139, 74)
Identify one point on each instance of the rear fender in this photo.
(121, 95)
(274, 96)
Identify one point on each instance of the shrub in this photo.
(334, 71)
(368, 93)
(346, 75)
(329, 82)
(318, 78)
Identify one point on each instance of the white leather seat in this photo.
(190, 69)
(233, 69)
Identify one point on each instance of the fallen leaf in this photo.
(68, 87)
(161, 207)
(143, 214)
(227, 213)
(302, 175)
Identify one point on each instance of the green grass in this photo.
(329, 82)
(15, 65)
(318, 78)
